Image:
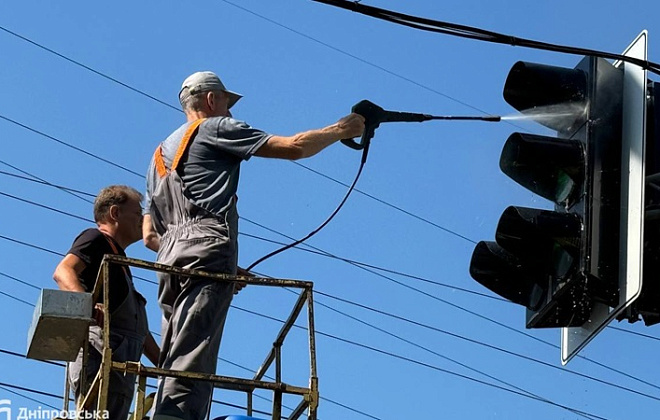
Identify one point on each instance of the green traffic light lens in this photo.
(565, 187)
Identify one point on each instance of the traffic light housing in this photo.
(558, 263)
(647, 306)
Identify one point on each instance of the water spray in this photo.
(375, 115)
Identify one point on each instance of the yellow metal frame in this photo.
(98, 390)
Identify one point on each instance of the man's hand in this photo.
(351, 126)
(239, 285)
(97, 314)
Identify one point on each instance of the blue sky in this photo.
(428, 192)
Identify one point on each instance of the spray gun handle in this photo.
(367, 135)
(371, 113)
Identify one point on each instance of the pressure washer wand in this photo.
(491, 118)
(374, 115)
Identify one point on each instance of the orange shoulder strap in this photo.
(116, 251)
(158, 155)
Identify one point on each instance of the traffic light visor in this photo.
(501, 272)
(555, 97)
(550, 167)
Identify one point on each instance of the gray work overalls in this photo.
(194, 309)
(128, 330)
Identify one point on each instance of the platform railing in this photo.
(98, 389)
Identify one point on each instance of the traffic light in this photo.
(559, 263)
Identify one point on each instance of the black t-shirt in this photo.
(90, 246)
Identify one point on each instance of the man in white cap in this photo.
(193, 223)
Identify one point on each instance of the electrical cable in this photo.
(15, 298)
(13, 353)
(423, 364)
(7, 386)
(550, 344)
(442, 356)
(85, 219)
(157, 334)
(37, 179)
(470, 32)
(385, 203)
(177, 109)
(313, 250)
(481, 343)
(69, 145)
(321, 226)
(635, 333)
(321, 333)
(25, 178)
(77, 63)
(34, 391)
(367, 267)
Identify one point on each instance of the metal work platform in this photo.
(98, 390)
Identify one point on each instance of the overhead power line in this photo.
(35, 178)
(427, 365)
(79, 64)
(481, 343)
(314, 250)
(459, 307)
(411, 322)
(471, 32)
(32, 390)
(7, 387)
(71, 146)
(450, 359)
(296, 163)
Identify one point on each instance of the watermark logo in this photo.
(40, 413)
(5, 409)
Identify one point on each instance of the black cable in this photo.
(40, 180)
(159, 101)
(157, 334)
(634, 333)
(322, 225)
(15, 298)
(6, 388)
(105, 76)
(442, 356)
(66, 189)
(355, 57)
(423, 364)
(34, 391)
(47, 207)
(364, 266)
(24, 356)
(481, 343)
(62, 142)
(381, 201)
(451, 304)
(464, 31)
(318, 251)
(414, 323)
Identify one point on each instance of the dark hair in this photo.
(111, 196)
